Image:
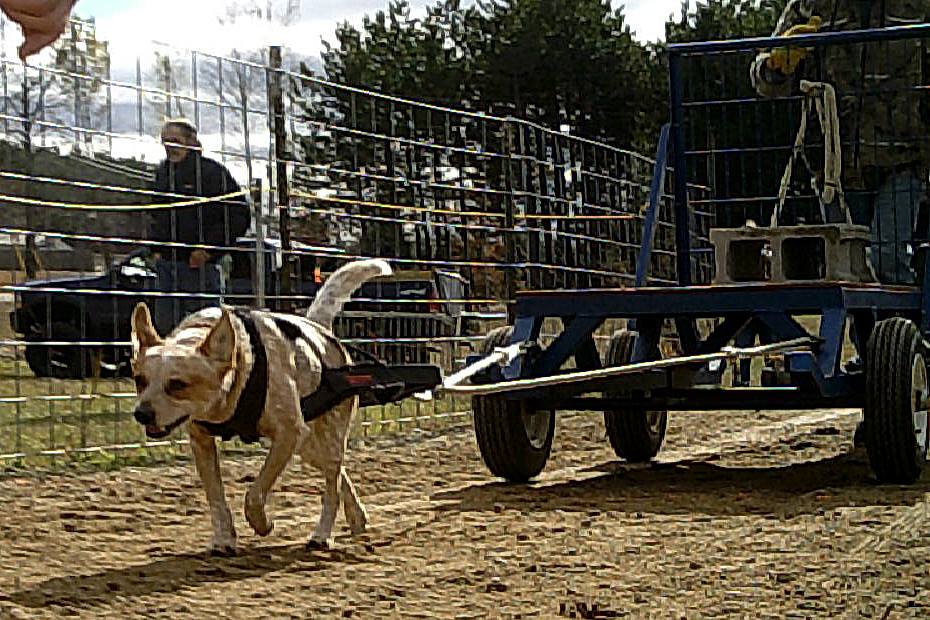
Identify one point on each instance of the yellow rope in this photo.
(110, 207)
(297, 194)
(384, 205)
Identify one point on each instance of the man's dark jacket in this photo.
(215, 223)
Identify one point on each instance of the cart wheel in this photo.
(514, 439)
(896, 399)
(634, 435)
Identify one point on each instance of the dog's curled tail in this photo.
(340, 286)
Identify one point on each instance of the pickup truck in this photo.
(78, 327)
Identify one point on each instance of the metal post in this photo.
(686, 327)
(510, 284)
(278, 129)
(682, 228)
(258, 217)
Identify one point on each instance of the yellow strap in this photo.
(110, 207)
(384, 205)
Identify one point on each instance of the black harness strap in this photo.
(244, 420)
(336, 384)
(339, 384)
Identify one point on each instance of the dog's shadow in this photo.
(173, 573)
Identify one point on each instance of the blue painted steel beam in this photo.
(575, 335)
(779, 326)
(525, 329)
(644, 261)
(714, 400)
(713, 301)
(925, 315)
(682, 215)
(832, 330)
(723, 333)
(821, 39)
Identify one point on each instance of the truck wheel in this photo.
(634, 435)
(896, 401)
(60, 361)
(514, 439)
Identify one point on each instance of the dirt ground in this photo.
(761, 515)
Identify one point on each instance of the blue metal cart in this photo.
(518, 386)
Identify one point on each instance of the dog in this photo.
(229, 372)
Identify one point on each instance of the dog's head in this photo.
(181, 379)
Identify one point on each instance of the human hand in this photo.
(42, 21)
(198, 259)
(786, 59)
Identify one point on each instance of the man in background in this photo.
(204, 229)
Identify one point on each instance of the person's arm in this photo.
(239, 215)
(233, 210)
(771, 71)
(42, 22)
(160, 219)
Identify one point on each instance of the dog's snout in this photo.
(144, 414)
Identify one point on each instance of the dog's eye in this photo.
(141, 382)
(175, 385)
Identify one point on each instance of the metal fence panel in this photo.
(469, 207)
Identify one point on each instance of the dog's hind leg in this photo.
(324, 448)
(203, 446)
(322, 536)
(355, 511)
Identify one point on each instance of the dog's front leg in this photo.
(208, 466)
(279, 454)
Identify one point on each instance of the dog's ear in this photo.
(143, 332)
(220, 344)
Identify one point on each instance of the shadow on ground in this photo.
(174, 573)
(687, 487)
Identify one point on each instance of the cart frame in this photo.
(533, 383)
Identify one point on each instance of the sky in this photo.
(125, 22)
(134, 28)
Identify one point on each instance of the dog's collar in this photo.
(244, 420)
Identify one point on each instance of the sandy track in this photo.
(744, 515)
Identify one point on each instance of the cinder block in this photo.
(809, 253)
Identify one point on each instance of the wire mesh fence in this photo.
(469, 208)
(843, 132)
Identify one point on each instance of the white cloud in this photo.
(201, 30)
(194, 25)
(647, 18)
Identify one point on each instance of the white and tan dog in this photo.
(236, 372)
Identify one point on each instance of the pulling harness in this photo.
(372, 380)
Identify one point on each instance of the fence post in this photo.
(510, 287)
(279, 131)
(258, 277)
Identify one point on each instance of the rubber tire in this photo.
(499, 430)
(888, 431)
(629, 432)
(38, 357)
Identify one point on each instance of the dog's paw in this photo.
(221, 550)
(358, 525)
(255, 515)
(357, 518)
(319, 544)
